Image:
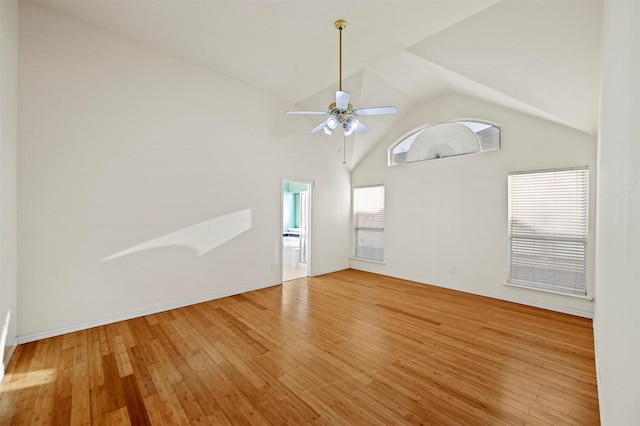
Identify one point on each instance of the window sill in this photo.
(542, 290)
(368, 260)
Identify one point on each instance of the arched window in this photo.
(447, 139)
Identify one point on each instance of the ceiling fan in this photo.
(341, 112)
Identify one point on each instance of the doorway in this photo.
(296, 235)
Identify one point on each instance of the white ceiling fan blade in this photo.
(376, 111)
(342, 99)
(361, 127)
(318, 127)
(307, 112)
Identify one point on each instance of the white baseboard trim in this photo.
(154, 310)
(328, 271)
(547, 306)
(7, 357)
(597, 358)
(27, 338)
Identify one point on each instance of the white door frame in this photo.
(311, 184)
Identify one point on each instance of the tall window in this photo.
(368, 222)
(548, 230)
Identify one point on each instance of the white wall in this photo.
(617, 304)
(8, 207)
(446, 219)
(121, 144)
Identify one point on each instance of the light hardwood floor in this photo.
(344, 348)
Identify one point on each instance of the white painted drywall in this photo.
(617, 304)
(8, 201)
(121, 144)
(446, 219)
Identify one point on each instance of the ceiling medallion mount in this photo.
(341, 112)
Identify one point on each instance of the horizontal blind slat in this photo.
(548, 229)
(368, 219)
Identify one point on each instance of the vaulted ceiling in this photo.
(541, 57)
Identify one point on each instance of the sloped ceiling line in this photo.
(539, 57)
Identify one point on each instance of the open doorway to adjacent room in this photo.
(296, 220)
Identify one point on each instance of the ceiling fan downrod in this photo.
(340, 24)
(341, 113)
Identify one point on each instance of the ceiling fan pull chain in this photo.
(344, 149)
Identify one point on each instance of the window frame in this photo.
(568, 250)
(414, 132)
(358, 226)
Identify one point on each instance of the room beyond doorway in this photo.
(296, 219)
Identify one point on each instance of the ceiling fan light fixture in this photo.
(349, 126)
(341, 113)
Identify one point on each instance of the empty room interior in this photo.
(313, 212)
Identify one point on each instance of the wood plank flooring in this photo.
(343, 348)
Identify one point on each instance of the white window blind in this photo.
(548, 230)
(368, 220)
